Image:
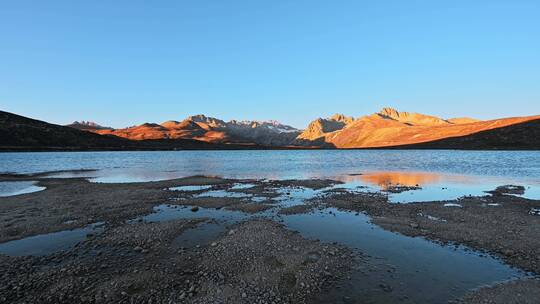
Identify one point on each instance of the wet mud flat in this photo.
(499, 224)
(212, 240)
(257, 261)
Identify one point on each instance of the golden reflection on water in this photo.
(385, 179)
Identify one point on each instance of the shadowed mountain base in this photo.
(521, 136)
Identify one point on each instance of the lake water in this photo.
(442, 174)
(18, 187)
(397, 269)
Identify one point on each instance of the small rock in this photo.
(385, 287)
(312, 257)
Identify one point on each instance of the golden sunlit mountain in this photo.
(379, 130)
(391, 128)
(322, 126)
(209, 129)
(388, 128)
(19, 133)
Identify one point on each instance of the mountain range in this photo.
(206, 129)
(19, 133)
(387, 128)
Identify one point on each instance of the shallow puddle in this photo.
(397, 268)
(190, 188)
(80, 173)
(296, 196)
(16, 188)
(223, 193)
(49, 243)
(239, 186)
(167, 212)
(433, 186)
(413, 270)
(202, 235)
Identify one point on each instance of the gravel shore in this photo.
(257, 261)
(253, 260)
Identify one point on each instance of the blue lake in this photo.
(415, 269)
(442, 174)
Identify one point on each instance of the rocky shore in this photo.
(253, 259)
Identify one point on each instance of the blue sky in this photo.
(121, 63)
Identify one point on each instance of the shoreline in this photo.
(269, 148)
(481, 223)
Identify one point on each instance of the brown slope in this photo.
(183, 129)
(333, 131)
(212, 130)
(367, 125)
(19, 133)
(144, 131)
(520, 136)
(168, 130)
(462, 120)
(375, 131)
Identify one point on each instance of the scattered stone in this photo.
(534, 211)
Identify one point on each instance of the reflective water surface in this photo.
(19, 187)
(277, 164)
(395, 268)
(48, 243)
(442, 174)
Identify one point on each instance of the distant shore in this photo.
(252, 148)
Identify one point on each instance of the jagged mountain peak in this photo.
(342, 118)
(412, 118)
(87, 125)
(203, 118)
(322, 126)
(390, 112)
(388, 127)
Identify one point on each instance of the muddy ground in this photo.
(255, 261)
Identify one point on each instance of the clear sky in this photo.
(122, 63)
